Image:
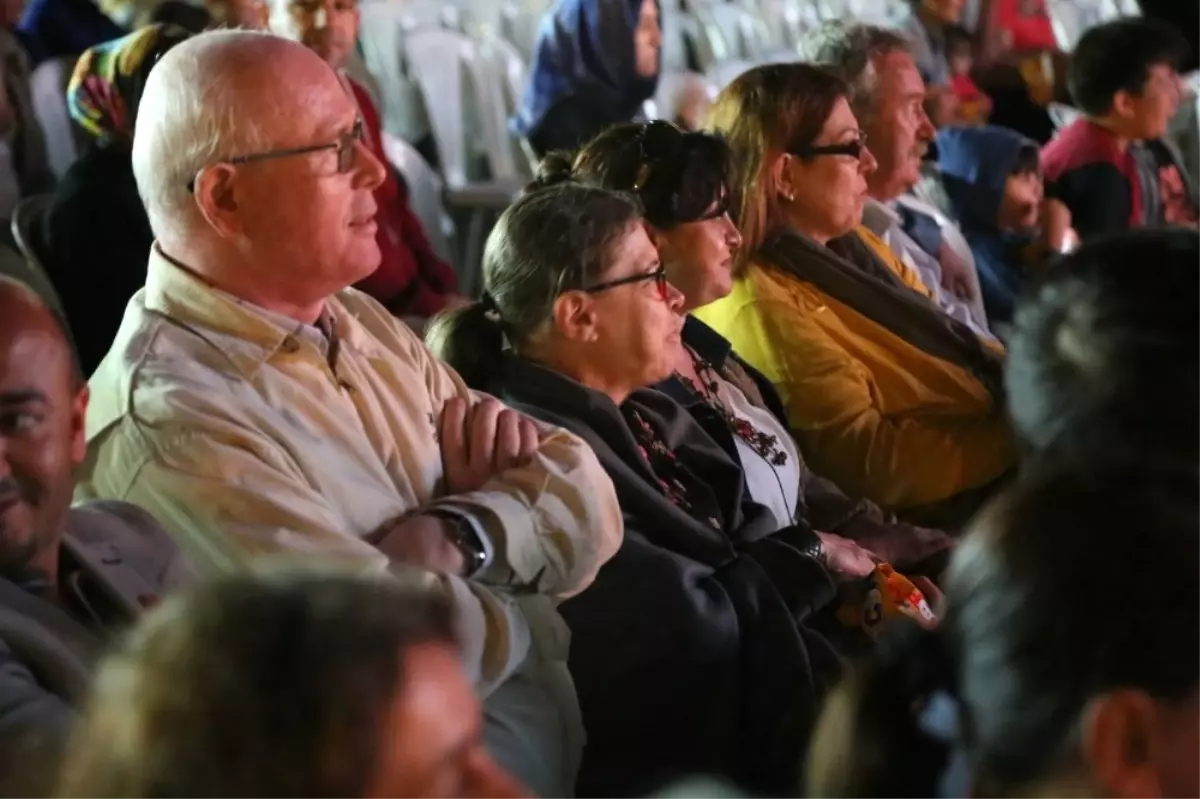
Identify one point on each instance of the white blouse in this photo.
(776, 487)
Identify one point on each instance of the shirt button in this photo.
(290, 346)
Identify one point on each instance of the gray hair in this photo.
(191, 116)
(848, 50)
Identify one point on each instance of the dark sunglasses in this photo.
(652, 139)
(345, 146)
(659, 276)
(854, 149)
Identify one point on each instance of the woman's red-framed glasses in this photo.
(659, 276)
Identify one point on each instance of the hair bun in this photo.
(555, 168)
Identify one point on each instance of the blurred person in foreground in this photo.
(1104, 355)
(256, 404)
(1065, 663)
(289, 683)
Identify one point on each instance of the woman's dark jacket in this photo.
(692, 651)
(96, 241)
(822, 505)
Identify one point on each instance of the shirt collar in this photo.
(879, 217)
(247, 334)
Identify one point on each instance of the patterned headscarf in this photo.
(106, 88)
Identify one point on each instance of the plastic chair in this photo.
(381, 39)
(673, 54)
(424, 194)
(48, 88)
(726, 72)
(464, 91)
(1062, 115)
(519, 25)
(732, 31)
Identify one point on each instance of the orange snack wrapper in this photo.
(886, 594)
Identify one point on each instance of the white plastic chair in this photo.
(726, 72)
(787, 22)
(48, 87)
(1062, 115)
(382, 37)
(673, 55)
(519, 24)
(732, 31)
(464, 90)
(424, 194)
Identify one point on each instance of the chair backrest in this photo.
(733, 32)
(498, 74)
(465, 86)
(1062, 115)
(673, 54)
(382, 39)
(48, 87)
(424, 193)
(519, 23)
(726, 72)
(436, 61)
(786, 21)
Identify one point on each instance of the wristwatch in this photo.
(465, 538)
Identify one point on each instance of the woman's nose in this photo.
(674, 298)
(733, 236)
(866, 161)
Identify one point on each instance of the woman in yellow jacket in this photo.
(887, 396)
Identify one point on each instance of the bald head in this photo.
(217, 95)
(23, 316)
(42, 409)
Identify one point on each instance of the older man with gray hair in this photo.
(887, 95)
(256, 405)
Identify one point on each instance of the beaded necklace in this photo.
(765, 445)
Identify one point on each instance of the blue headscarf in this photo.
(975, 163)
(585, 49)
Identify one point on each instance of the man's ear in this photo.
(215, 191)
(79, 406)
(1123, 104)
(1119, 740)
(575, 317)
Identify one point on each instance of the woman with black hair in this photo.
(1065, 663)
(682, 182)
(697, 649)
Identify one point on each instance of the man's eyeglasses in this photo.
(659, 276)
(345, 146)
(854, 149)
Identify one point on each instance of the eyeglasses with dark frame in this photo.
(659, 276)
(854, 149)
(345, 146)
